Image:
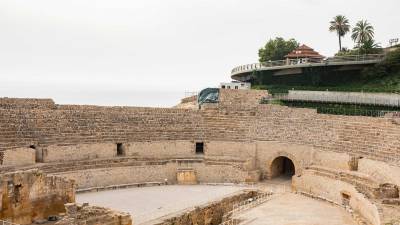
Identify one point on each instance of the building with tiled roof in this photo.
(304, 52)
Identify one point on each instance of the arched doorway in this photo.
(282, 167)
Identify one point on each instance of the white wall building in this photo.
(235, 85)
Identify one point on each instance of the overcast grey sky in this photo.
(149, 52)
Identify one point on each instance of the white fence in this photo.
(360, 98)
(337, 60)
(251, 202)
(245, 205)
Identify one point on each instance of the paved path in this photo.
(292, 209)
(149, 203)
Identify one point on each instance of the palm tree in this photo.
(370, 47)
(340, 25)
(362, 32)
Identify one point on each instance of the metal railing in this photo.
(372, 58)
(4, 222)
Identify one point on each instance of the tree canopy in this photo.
(340, 25)
(276, 49)
(362, 32)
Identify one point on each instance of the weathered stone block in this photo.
(186, 176)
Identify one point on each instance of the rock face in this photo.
(93, 215)
(31, 195)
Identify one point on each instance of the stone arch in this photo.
(282, 163)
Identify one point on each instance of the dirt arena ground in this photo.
(149, 203)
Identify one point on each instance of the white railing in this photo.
(4, 222)
(251, 202)
(245, 205)
(230, 222)
(307, 61)
(359, 98)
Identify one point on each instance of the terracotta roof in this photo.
(304, 52)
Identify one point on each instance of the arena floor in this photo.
(149, 203)
(292, 209)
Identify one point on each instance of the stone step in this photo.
(391, 201)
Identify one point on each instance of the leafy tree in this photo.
(276, 49)
(340, 25)
(362, 32)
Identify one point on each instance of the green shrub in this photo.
(390, 66)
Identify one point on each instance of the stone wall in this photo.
(103, 177)
(105, 146)
(56, 153)
(93, 215)
(332, 160)
(186, 176)
(161, 149)
(27, 103)
(156, 171)
(240, 98)
(231, 149)
(374, 138)
(246, 130)
(211, 213)
(332, 190)
(31, 195)
(59, 132)
(19, 157)
(380, 171)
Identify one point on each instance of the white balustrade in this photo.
(245, 205)
(304, 61)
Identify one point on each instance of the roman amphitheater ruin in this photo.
(235, 161)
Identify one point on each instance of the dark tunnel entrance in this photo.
(282, 167)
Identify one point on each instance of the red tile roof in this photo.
(304, 52)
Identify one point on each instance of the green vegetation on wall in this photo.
(387, 70)
(383, 77)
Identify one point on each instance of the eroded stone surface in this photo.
(31, 195)
(93, 215)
